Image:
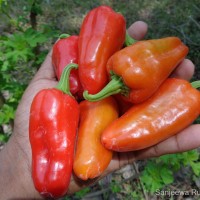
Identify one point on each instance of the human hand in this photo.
(185, 140)
(17, 151)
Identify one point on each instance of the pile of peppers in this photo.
(110, 97)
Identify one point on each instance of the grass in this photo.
(164, 18)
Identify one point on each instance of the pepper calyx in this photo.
(129, 40)
(195, 84)
(64, 35)
(63, 84)
(115, 86)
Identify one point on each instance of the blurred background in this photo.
(28, 30)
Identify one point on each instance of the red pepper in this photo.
(65, 51)
(102, 34)
(137, 71)
(53, 124)
(171, 109)
(92, 158)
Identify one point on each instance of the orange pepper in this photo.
(91, 157)
(171, 109)
(137, 71)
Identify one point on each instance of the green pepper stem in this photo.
(129, 40)
(64, 35)
(63, 84)
(115, 86)
(196, 84)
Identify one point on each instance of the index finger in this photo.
(186, 140)
(185, 70)
(138, 30)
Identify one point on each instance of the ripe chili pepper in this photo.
(138, 70)
(53, 124)
(65, 51)
(102, 34)
(92, 158)
(123, 105)
(171, 109)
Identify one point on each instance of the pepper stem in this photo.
(115, 86)
(64, 35)
(63, 84)
(129, 40)
(196, 84)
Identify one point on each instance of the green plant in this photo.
(159, 172)
(115, 187)
(20, 57)
(80, 194)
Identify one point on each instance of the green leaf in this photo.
(115, 187)
(2, 2)
(157, 174)
(136, 195)
(6, 114)
(33, 37)
(190, 156)
(5, 66)
(155, 186)
(146, 178)
(3, 138)
(40, 58)
(153, 170)
(166, 175)
(82, 193)
(150, 177)
(195, 168)
(194, 155)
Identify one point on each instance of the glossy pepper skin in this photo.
(53, 125)
(138, 70)
(171, 109)
(102, 34)
(65, 51)
(91, 157)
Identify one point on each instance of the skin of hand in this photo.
(15, 158)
